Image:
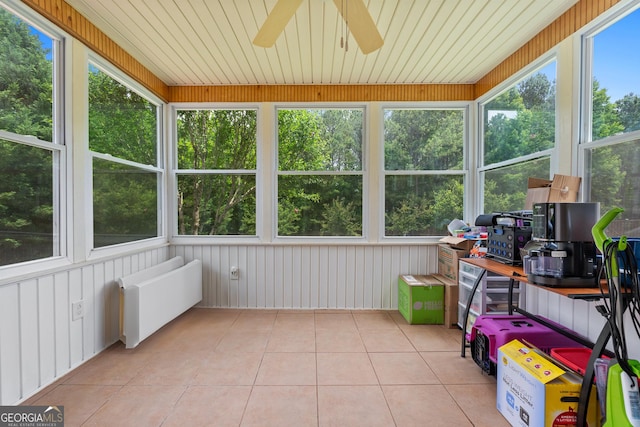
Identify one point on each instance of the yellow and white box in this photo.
(534, 392)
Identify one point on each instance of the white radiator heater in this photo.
(152, 297)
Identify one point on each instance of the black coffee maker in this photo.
(562, 252)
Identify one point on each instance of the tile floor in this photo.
(213, 367)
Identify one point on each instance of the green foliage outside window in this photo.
(220, 199)
(26, 85)
(614, 170)
(26, 172)
(422, 140)
(519, 122)
(123, 125)
(320, 180)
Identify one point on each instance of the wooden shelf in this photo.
(517, 273)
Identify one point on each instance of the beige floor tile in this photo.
(300, 341)
(110, 368)
(287, 369)
(170, 368)
(281, 367)
(398, 318)
(281, 406)
(478, 401)
(255, 320)
(345, 369)
(79, 401)
(197, 339)
(241, 340)
(348, 341)
(392, 340)
(353, 406)
(374, 320)
(137, 406)
(423, 405)
(402, 368)
(432, 337)
(335, 322)
(453, 369)
(218, 406)
(162, 340)
(294, 322)
(229, 369)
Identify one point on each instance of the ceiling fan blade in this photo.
(275, 22)
(360, 24)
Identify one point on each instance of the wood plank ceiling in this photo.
(208, 42)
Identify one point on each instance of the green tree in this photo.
(423, 139)
(536, 91)
(123, 125)
(605, 121)
(340, 218)
(121, 122)
(25, 80)
(607, 173)
(311, 143)
(519, 122)
(26, 173)
(429, 141)
(217, 203)
(628, 110)
(412, 217)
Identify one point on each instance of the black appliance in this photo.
(562, 252)
(505, 242)
(507, 234)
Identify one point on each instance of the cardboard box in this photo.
(458, 242)
(563, 188)
(448, 261)
(534, 392)
(450, 301)
(421, 299)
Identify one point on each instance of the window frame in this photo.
(585, 142)
(512, 81)
(104, 66)
(466, 108)
(174, 172)
(61, 176)
(363, 173)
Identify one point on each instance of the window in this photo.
(124, 146)
(517, 139)
(216, 176)
(320, 172)
(610, 140)
(424, 170)
(31, 152)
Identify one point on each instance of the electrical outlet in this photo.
(77, 310)
(235, 273)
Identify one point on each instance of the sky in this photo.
(44, 39)
(616, 60)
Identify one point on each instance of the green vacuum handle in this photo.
(599, 236)
(601, 240)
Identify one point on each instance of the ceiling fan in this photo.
(354, 12)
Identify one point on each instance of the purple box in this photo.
(490, 332)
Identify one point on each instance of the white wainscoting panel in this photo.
(39, 341)
(314, 276)
(580, 316)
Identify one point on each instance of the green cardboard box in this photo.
(421, 299)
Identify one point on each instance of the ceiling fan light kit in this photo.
(354, 13)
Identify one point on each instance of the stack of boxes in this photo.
(433, 299)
